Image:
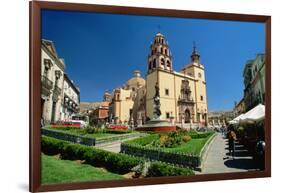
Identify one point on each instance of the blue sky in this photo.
(101, 51)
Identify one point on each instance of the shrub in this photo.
(119, 163)
(89, 129)
(116, 131)
(161, 155)
(200, 135)
(52, 146)
(71, 137)
(114, 162)
(160, 169)
(170, 140)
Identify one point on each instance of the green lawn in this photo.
(193, 146)
(83, 132)
(55, 171)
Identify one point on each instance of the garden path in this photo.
(219, 161)
(114, 146)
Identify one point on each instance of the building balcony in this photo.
(47, 83)
(46, 86)
(57, 90)
(185, 100)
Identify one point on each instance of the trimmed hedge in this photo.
(137, 147)
(74, 138)
(194, 135)
(114, 162)
(86, 140)
(116, 131)
(161, 155)
(160, 169)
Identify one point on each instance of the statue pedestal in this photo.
(157, 125)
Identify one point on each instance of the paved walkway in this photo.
(114, 146)
(219, 161)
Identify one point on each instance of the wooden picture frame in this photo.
(35, 86)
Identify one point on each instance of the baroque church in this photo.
(183, 95)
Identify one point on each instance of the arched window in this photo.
(162, 62)
(166, 51)
(155, 51)
(161, 50)
(150, 65)
(154, 63)
(168, 64)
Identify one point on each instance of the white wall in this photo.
(14, 95)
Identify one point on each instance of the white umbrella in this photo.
(232, 122)
(237, 119)
(255, 114)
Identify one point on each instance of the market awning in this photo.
(255, 114)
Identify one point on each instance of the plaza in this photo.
(155, 107)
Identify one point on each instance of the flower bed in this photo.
(118, 127)
(160, 155)
(66, 124)
(113, 162)
(141, 147)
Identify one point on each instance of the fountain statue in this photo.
(157, 124)
(156, 102)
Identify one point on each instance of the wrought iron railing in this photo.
(47, 83)
(57, 90)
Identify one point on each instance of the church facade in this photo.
(183, 95)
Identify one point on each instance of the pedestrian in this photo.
(231, 141)
(42, 122)
(222, 130)
(260, 153)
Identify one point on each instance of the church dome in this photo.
(136, 81)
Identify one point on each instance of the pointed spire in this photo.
(195, 57)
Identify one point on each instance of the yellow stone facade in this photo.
(183, 95)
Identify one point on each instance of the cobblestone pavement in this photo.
(219, 161)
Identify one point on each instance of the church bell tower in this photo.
(160, 55)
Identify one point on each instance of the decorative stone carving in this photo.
(186, 103)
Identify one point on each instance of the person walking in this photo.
(231, 141)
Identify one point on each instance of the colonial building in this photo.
(52, 70)
(239, 107)
(220, 118)
(97, 111)
(56, 88)
(128, 102)
(71, 99)
(183, 94)
(254, 82)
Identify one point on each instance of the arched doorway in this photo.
(187, 116)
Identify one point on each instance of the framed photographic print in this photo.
(125, 96)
